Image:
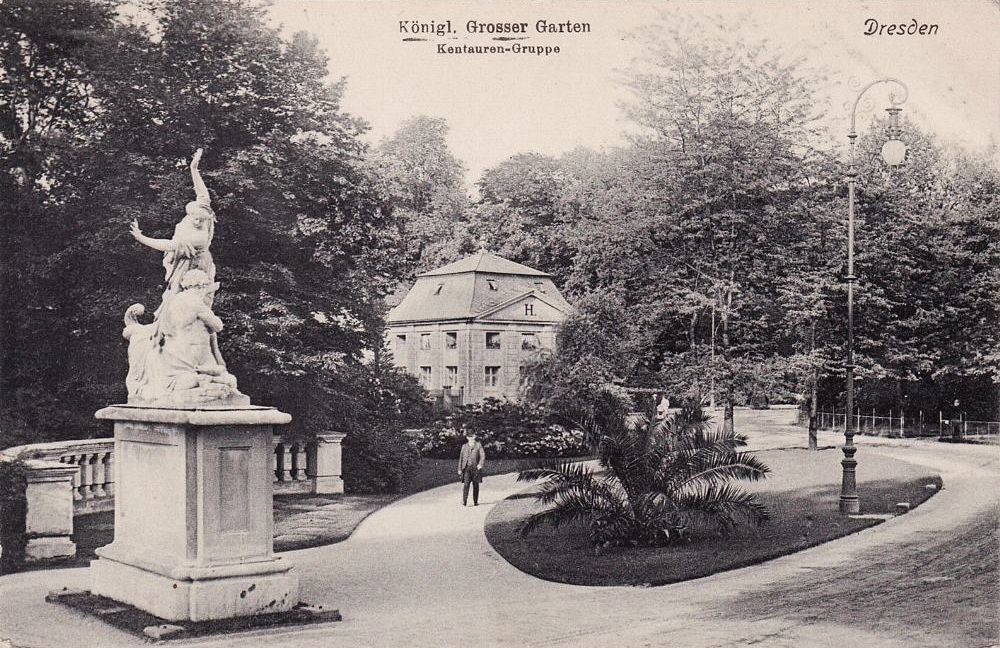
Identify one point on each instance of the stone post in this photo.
(193, 514)
(49, 519)
(328, 479)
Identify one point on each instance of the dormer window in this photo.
(437, 291)
(492, 284)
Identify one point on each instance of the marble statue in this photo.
(175, 360)
(189, 247)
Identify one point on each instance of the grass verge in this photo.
(801, 494)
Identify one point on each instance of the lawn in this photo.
(801, 495)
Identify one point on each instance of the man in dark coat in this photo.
(470, 466)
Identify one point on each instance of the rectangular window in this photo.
(493, 340)
(522, 376)
(529, 342)
(425, 341)
(451, 340)
(452, 375)
(437, 291)
(540, 286)
(426, 374)
(492, 284)
(400, 341)
(492, 373)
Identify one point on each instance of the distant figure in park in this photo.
(470, 466)
(189, 247)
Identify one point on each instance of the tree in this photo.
(592, 356)
(49, 54)
(664, 479)
(520, 213)
(426, 186)
(734, 121)
(927, 263)
(378, 455)
(974, 341)
(305, 239)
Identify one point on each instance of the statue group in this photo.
(175, 360)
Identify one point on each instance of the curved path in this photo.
(421, 573)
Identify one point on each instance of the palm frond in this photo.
(556, 516)
(720, 467)
(592, 504)
(723, 505)
(556, 470)
(551, 491)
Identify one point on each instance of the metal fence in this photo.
(921, 425)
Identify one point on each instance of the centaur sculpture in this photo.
(175, 360)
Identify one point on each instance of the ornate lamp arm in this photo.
(892, 98)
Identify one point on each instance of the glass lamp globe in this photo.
(894, 152)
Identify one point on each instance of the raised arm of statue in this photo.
(163, 245)
(200, 190)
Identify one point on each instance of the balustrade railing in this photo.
(297, 465)
(69, 478)
(93, 483)
(294, 466)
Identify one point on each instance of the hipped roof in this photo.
(485, 262)
(472, 287)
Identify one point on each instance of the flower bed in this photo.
(506, 430)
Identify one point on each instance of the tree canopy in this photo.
(99, 116)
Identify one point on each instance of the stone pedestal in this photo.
(49, 520)
(193, 514)
(328, 479)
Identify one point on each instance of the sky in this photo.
(498, 106)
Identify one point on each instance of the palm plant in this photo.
(659, 479)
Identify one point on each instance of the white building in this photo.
(468, 329)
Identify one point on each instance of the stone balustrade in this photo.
(92, 477)
(70, 478)
(312, 466)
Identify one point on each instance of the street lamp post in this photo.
(893, 152)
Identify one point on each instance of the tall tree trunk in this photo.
(814, 395)
(727, 418)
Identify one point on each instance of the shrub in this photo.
(377, 459)
(377, 456)
(13, 508)
(662, 478)
(506, 430)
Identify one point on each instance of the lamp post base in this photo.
(849, 501)
(850, 505)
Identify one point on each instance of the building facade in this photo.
(468, 329)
